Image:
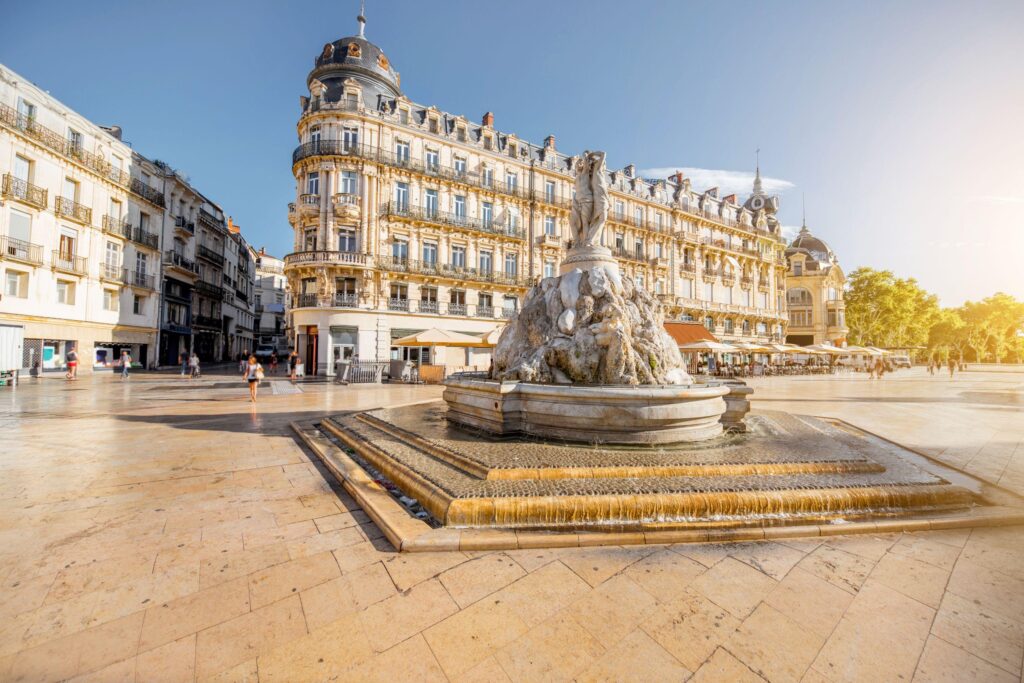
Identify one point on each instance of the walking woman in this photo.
(253, 374)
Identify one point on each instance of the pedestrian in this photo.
(931, 366)
(243, 359)
(193, 363)
(293, 364)
(273, 362)
(253, 373)
(126, 363)
(72, 363)
(952, 366)
(183, 359)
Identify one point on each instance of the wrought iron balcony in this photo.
(24, 191)
(117, 226)
(209, 290)
(68, 263)
(333, 148)
(136, 279)
(305, 300)
(243, 295)
(207, 321)
(688, 268)
(395, 304)
(728, 278)
(628, 255)
(346, 300)
(182, 224)
(72, 210)
(485, 311)
(146, 239)
(416, 213)
(19, 250)
(746, 282)
(110, 272)
(210, 255)
(402, 265)
(326, 257)
(428, 306)
(210, 220)
(178, 260)
(150, 194)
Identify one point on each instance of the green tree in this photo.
(884, 310)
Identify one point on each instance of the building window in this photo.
(709, 323)
(432, 125)
(620, 209)
(549, 225)
(798, 268)
(20, 234)
(433, 160)
(27, 109)
(430, 202)
(513, 218)
(638, 249)
(400, 251)
(313, 183)
(460, 166)
(549, 269)
(746, 327)
(488, 177)
(620, 241)
(139, 305)
(402, 196)
(727, 326)
(314, 136)
(66, 292)
(399, 291)
(345, 286)
(458, 257)
(403, 115)
(461, 134)
(16, 284)
(511, 180)
(346, 239)
(460, 206)
(349, 182)
(488, 142)
(509, 305)
(486, 262)
(511, 265)
(74, 140)
(458, 301)
(22, 168)
(110, 300)
(487, 214)
(549, 191)
(799, 297)
(350, 138)
(638, 216)
(402, 151)
(68, 242)
(430, 253)
(484, 300)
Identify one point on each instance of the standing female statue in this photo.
(590, 205)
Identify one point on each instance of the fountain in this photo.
(589, 431)
(587, 357)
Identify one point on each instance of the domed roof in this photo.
(355, 57)
(816, 248)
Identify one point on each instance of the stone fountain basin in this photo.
(606, 414)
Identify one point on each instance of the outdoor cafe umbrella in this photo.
(436, 337)
(825, 348)
(861, 351)
(708, 345)
(491, 338)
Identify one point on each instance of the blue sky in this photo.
(898, 121)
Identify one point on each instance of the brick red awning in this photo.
(688, 332)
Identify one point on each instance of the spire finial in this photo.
(803, 210)
(758, 190)
(362, 18)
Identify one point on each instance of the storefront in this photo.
(107, 355)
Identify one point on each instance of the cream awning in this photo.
(436, 337)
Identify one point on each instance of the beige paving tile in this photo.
(281, 580)
(477, 578)
(79, 579)
(872, 547)
(246, 672)
(118, 672)
(1000, 549)
(734, 585)
(324, 653)
(999, 592)
(838, 567)
(924, 548)
(981, 631)
(919, 580)
(178, 618)
(410, 660)
(353, 592)
(325, 542)
(708, 554)
(810, 601)
(596, 565)
(773, 559)
(635, 658)
(409, 569)
(232, 642)
(861, 647)
(774, 646)
(235, 564)
(168, 663)
(353, 557)
(721, 667)
(404, 614)
(945, 663)
(612, 610)
(557, 649)
(664, 574)
(538, 595)
(690, 628)
(276, 534)
(469, 637)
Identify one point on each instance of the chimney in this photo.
(630, 171)
(488, 120)
(730, 199)
(549, 142)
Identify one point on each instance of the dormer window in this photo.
(798, 267)
(461, 134)
(403, 115)
(432, 125)
(488, 142)
(512, 150)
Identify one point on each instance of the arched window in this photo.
(798, 296)
(728, 325)
(709, 323)
(746, 327)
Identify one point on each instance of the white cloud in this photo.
(727, 182)
(790, 231)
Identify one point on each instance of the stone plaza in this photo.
(165, 529)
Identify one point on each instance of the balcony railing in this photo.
(397, 304)
(746, 282)
(181, 223)
(628, 255)
(485, 311)
(267, 268)
(401, 265)
(344, 199)
(417, 213)
(68, 263)
(404, 305)
(209, 290)
(244, 296)
(116, 226)
(207, 321)
(110, 272)
(688, 268)
(328, 257)
(140, 236)
(346, 300)
(24, 191)
(72, 210)
(305, 300)
(18, 250)
(211, 220)
(177, 260)
(136, 279)
(61, 145)
(210, 255)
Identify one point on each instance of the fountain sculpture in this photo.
(587, 358)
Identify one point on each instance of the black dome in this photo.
(355, 57)
(809, 244)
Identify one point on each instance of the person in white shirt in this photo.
(253, 374)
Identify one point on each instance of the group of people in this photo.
(189, 365)
(953, 365)
(71, 360)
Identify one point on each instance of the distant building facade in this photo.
(271, 297)
(407, 218)
(98, 244)
(814, 293)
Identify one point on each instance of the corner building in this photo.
(407, 218)
(814, 294)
